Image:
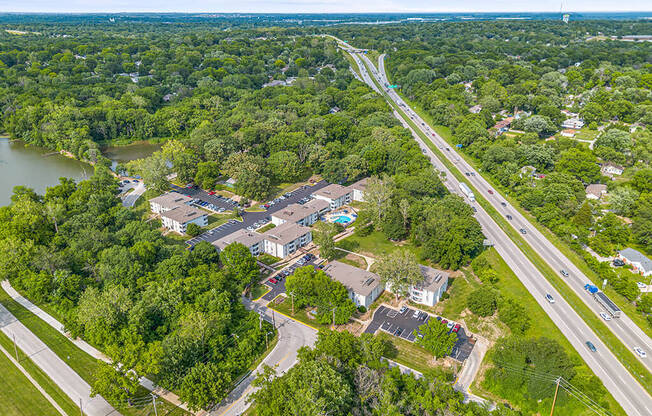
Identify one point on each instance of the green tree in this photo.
(323, 237)
(482, 301)
(208, 173)
(193, 229)
(240, 264)
(398, 271)
(514, 316)
(436, 338)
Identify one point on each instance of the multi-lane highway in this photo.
(620, 383)
(624, 328)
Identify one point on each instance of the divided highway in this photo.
(620, 383)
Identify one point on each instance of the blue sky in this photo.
(320, 6)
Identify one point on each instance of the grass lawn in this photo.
(177, 239)
(142, 203)
(268, 259)
(215, 220)
(411, 355)
(19, 397)
(82, 363)
(374, 245)
(265, 228)
(300, 315)
(259, 290)
(586, 134)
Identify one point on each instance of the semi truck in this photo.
(467, 191)
(603, 300)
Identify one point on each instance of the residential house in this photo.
(611, 169)
(299, 214)
(568, 133)
(573, 123)
(475, 109)
(363, 286)
(596, 191)
(336, 195)
(286, 238)
(334, 110)
(503, 125)
(167, 202)
(178, 218)
(250, 239)
(639, 262)
(358, 189)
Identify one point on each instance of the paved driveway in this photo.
(249, 218)
(279, 287)
(404, 324)
(206, 197)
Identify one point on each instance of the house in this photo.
(334, 110)
(286, 238)
(639, 262)
(503, 125)
(336, 195)
(475, 109)
(573, 123)
(611, 169)
(569, 114)
(358, 189)
(299, 214)
(167, 202)
(250, 239)
(318, 205)
(568, 133)
(363, 286)
(429, 291)
(596, 191)
(178, 218)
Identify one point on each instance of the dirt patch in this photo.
(490, 327)
(359, 261)
(356, 328)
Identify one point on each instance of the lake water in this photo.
(20, 165)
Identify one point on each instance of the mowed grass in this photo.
(412, 355)
(83, 364)
(375, 244)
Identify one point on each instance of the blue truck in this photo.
(603, 300)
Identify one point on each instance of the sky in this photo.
(320, 6)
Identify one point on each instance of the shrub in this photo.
(193, 229)
(362, 309)
(482, 301)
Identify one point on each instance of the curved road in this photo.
(620, 383)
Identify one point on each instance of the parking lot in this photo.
(250, 218)
(403, 325)
(206, 198)
(279, 286)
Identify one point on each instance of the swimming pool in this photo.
(342, 219)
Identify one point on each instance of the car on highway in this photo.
(563, 273)
(605, 316)
(591, 346)
(474, 209)
(549, 298)
(523, 231)
(640, 352)
(509, 217)
(503, 204)
(490, 192)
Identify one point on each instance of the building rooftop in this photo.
(285, 233)
(295, 212)
(360, 185)
(596, 189)
(171, 199)
(242, 236)
(333, 191)
(636, 256)
(433, 279)
(317, 204)
(183, 214)
(354, 279)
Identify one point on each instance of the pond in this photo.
(39, 168)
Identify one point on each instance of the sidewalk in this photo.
(86, 347)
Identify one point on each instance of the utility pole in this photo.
(555, 398)
(80, 407)
(292, 297)
(273, 319)
(260, 320)
(154, 403)
(15, 347)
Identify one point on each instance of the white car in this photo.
(641, 285)
(640, 352)
(605, 316)
(549, 298)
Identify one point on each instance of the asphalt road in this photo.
(292, 336)
(130, 199)
(620, 383)
(54, 367)
(249, 218)
(624, 328)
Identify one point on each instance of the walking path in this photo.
(369, 260)
(86, 347)
(54, 367)
(31, 380)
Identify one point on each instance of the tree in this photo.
(616, 139)
(153, 169)
(514, 316)
(240, 264)
(208, 173)
(580, 163)
(193, 229)
(642, 180)
(482, 301)
(377, 196)
(436, 338)
(205, 386)
(398, 271)
(323, 238)
(540, 125)
(284, 166)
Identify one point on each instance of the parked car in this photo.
(549, 298)
(444, 321)
(403, 309)
(211, 193)
(456, 328)
(605, 316)
(273, 281)
(416, 314)
(641, 285)
(618, 263)
(640, 352)
(450, 324)
(563, 273)
(398, 332)
(591, 346)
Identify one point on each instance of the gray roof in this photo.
(357, 280)
(636, 256)
(317, 204)
(183, 214)
(285, 233)
(242, 236)
(433, 279)
(360, 185)
(295, 212)
(333, 191)
(171, 199)
(596, 189)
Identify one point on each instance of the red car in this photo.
(490, 192)
(456, 328)
(211, 193)
(273, 281)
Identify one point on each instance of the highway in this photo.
(624, 328)
(620, 383)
